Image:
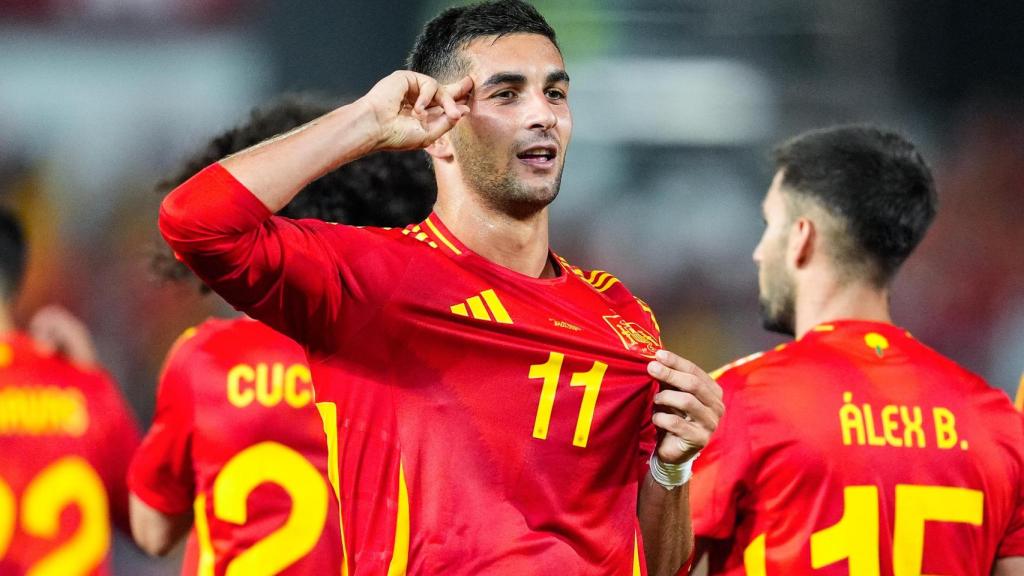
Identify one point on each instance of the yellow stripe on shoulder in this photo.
(185, 336)
(737, 363)
(599, 279)
(647, 308)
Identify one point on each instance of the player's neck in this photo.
(519, 243)
(829, 300)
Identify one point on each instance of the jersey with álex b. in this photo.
(480, 421)
(66, 435)
(858, 450)
(236, 439)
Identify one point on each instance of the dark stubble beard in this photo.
(497, 185)
(778, 305)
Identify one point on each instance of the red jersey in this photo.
(858, 450)
(65, 438)
(480, 421)
(236, 438)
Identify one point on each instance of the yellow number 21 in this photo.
(549, 373)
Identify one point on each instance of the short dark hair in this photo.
(874, 182)
(382, 189)
(437, 49)
(12, 254)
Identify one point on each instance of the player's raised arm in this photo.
(404, 111)
(283, 273)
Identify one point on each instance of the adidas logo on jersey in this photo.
(485, 306)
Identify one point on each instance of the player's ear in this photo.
(441, 149)
(802, 237)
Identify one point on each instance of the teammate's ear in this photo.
(802, 237)
(441, 149)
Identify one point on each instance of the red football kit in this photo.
(479, 421)
(237, 439)
(857, 450)
(65, 439)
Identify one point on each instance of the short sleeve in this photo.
(161, 472)
(720, 474)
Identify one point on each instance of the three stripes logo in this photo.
(484, 306)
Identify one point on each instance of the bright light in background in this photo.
(708, 102)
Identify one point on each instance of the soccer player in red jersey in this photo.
(855, 449)
(488, 405)
(65, 438)
(236, 450)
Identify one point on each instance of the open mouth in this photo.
(539, 156)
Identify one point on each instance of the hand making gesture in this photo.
(413, 110)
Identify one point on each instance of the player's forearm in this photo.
(277, 169)
(154, 532)
(666, 527)
(1012, 566)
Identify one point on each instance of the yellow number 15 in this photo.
(855, 537)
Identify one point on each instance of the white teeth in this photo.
(537, 154)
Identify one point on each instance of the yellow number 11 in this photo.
(549, 373)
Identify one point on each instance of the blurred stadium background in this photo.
(676, 104)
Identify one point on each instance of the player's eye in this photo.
(555, 94)
(505, 95)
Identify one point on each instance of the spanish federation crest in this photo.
(633, 336)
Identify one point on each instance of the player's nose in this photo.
(540, 115)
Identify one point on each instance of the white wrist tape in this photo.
(671, 476)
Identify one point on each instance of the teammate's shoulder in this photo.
(741, 370)
(202, 336)
(214, 335)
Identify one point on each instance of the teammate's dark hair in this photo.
(382, 189)
(437, 51)
(874, 182)
(12, 254)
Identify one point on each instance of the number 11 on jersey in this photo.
(549, 374)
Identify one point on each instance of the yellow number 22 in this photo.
(69, 481)
(267, 462)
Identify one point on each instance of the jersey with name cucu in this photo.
(237, 441)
